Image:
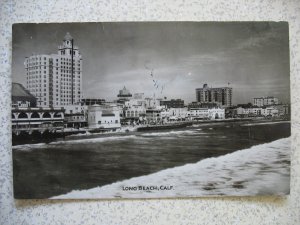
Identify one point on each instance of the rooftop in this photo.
(18, 90)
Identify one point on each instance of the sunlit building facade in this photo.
(56, 79)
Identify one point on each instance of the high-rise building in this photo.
(221, 95)
(56, 79)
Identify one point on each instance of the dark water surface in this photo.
(83, 162)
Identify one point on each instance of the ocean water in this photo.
(209, 159)
(259, 170)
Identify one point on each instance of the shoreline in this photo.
(204, 177)
(129, 129)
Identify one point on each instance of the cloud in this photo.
(260, 39)
(205, 59)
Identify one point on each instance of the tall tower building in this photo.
(56, 79)
(221, 95)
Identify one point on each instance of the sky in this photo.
(250, 57)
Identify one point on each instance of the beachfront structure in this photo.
(173, 103)
(283, 109)
(153, 115)
(271, 111)
(219, 95)
(75, 116)
(135, 108)
(207, 113)
(56, 79)
(103, 117)
(249, 112)
(32, 119)
(265, 101)
(134, 112)
(27, 118)
(178, 113)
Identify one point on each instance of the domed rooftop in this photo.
(68, 37)
(124, 93)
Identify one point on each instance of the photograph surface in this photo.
(150, 109)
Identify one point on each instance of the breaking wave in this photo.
(169, 133)
(260, 170)
(29, 147)
(265, 123)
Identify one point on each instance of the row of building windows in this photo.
(30, 65)
(63, 52)
(36, 67)
(34, 79)
(108, 122)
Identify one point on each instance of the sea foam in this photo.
(260, 170)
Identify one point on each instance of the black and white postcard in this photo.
(150, 109)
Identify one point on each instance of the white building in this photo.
(240, 111)
(216, 113)
(269, 111)
(265, 101)
(52, 79)
(199, 113)
(258, 111)
(103, 117)
(135, 111)
(207, 113)
(178, 113)
(283, 109)
(70, 109)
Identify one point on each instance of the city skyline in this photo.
(168, 59)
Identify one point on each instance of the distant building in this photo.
(56, 79)
(92, 101)
(221, 95)
(248, 105)
(21, 97)
(265, 101)
(269, 111)
(104, 117)
(139, 96)
(207, 113)
(173, 103)
(283, 110)
(265, 111)
(124, 94)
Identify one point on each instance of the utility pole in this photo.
(72, 71)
